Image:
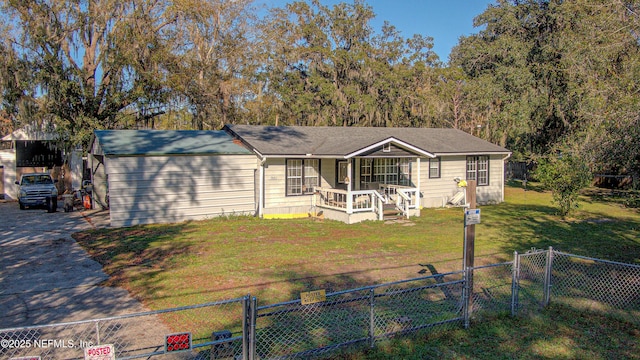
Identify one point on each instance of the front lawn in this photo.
(200, 261)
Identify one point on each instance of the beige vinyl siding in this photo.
(493, 192)
(416, 171)
(276, 200)
(162, 189)
(436, 192)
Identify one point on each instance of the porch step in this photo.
(390, 212)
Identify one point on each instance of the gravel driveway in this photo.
(45, 276)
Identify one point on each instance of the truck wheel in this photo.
(22, 207)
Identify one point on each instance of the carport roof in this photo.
(167, 142)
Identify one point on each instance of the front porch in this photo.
(376, 183)
(388, 201)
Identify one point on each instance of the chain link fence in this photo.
(492, 290)
(358, 316)
(239, 329)
(215, 328)
(583, 283)
(530, 277)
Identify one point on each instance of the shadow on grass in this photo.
(527, 186)
(554, 333)
(600, 235)
(357, 316)
(291, 327)
(118, 249)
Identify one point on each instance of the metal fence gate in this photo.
(583, 283)
(135, 336)
(240, 329)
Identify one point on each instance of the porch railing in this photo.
(350, 202)
(404, 197)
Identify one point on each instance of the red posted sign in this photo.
(177, 342)
(100, 352)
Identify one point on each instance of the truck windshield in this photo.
(37, 180)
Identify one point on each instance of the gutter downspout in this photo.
(261, 173)
(503, 179)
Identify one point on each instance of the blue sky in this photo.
(444, 20)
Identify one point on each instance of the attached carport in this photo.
(35, 148)
(154, 176)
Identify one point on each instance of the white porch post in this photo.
(349, 187)
(261, 163)
(419, 203)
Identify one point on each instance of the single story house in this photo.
(350, 174)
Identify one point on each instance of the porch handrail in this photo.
(405, 204)
(350, 201)
(380, 203)
(404, 193)
(375, 192)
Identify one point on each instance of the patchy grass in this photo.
(199, 261)
(555, 333)
(194, 262)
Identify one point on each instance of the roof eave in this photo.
(473, 153)
(292, 155)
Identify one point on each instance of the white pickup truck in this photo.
(38, 189)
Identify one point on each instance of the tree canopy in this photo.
(537, 74)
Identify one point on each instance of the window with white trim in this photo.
(396, 171)
(434, 168)
(302, 176)
(343, 172)
(366, 174)
(478, 169)
(404, 171)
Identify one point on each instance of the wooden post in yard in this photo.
(469, 251)
(470, 233)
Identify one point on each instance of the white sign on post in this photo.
(471, 216)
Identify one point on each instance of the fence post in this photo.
(547, 277)
(466, 294)
(253, 305)
(246, 320)
(515, 287)
(98, 332)
(469, 252)
(372, 318)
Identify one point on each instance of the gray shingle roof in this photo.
(342, 141)
(167, 142)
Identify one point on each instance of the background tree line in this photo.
(541, 77)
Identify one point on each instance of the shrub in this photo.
(565, 175)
